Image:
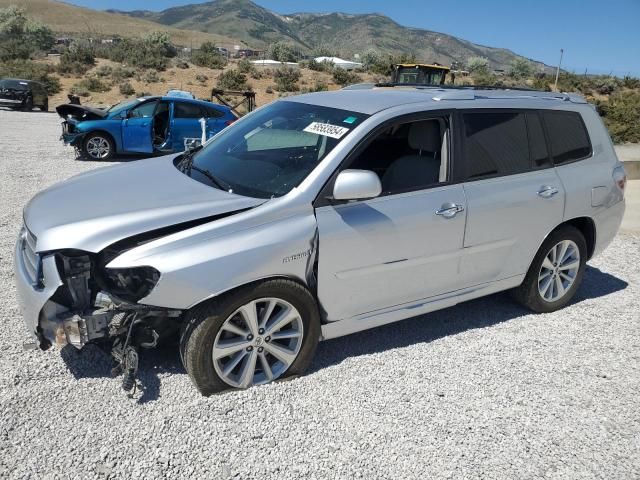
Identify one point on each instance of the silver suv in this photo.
(319, 216)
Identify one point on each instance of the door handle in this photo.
(449, 210)
(547, 192)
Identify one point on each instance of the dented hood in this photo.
(95, 209)
(80, 112)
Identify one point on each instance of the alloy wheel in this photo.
(559, 270)
(258, 342)
(98, 147)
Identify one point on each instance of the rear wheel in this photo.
(556, 271)
(252, 336)
(28, 105)
(45, 105)
(98, 146)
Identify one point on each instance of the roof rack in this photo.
(465, 92)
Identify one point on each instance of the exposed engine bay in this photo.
(98, 305)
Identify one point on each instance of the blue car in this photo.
(152, 125)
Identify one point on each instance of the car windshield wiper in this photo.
(186, 165)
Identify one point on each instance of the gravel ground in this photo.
(481, 390)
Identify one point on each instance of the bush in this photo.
(151, 76)
(478, 65)
(232, 80)
(31, 71)
(151, 52)
(345, 77)
(20, 36)
(282, 52)
(89, 84)
(182, 64)
(621, 114)
(103, 71)
(77, 59)
(201, 78)
(521, 68)
(208, 56)
(286, 79)
(605, 85)
(127, 89)
(319, 66)
(120, 74)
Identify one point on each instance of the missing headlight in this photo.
(130, 284)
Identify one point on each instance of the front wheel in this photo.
(251, 336)
(98, 146)
(556, 271)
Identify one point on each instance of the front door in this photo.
(137, 128)
(404, 245)
(514, 195)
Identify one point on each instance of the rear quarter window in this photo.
(568, 137)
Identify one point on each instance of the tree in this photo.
(208, 56)
(20, 36)
(282, 52)
(521, 68)
(478, 65)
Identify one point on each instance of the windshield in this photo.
(14, 84)
(272, 150)
(422, 76)
(124, 105)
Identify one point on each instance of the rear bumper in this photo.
(31, 297)
(608, 223)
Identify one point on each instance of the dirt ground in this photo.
(185, 79)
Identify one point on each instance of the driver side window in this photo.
(408, 156)
(143, 111)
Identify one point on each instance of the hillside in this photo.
(69, 19)
(345, 34)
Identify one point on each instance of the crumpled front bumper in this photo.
(73, 139)
(10, 102)
(33, 295)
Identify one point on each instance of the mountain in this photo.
(344, 34)
(67, 19)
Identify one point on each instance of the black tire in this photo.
(202, 323)
(528, 294)
(45, 106)
(28, 105)
(98, 136)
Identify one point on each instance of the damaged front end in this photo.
(95, 304)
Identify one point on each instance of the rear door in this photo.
(185, 123)
(514, 195)
(137, 128)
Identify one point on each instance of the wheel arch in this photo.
(235, 288)
(102, 132)
(587, 227)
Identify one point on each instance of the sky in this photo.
(601, 37)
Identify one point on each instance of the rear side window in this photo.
(187, 110)
(568, 137)
(213, 112)
(496, 144)
(537, 143)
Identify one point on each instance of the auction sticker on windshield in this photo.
(326, 129)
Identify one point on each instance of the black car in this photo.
(23, 94)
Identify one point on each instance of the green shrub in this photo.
(201, 78)
(151, 52)
(282, 52)
(345, 77)
(31, 71)
(151, 76)
(621, 114)
(127, 89)
(286, 79)
(20, 36)
(103, 71)
(605, 85)
(77, 59)
(521, 68)
(90, 84)
(479, 65)
(120, 74)
(232, 80)
(208, 56)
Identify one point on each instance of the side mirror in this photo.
(356, 184)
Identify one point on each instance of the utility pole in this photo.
(555, 86)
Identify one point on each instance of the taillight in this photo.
(620, 177)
